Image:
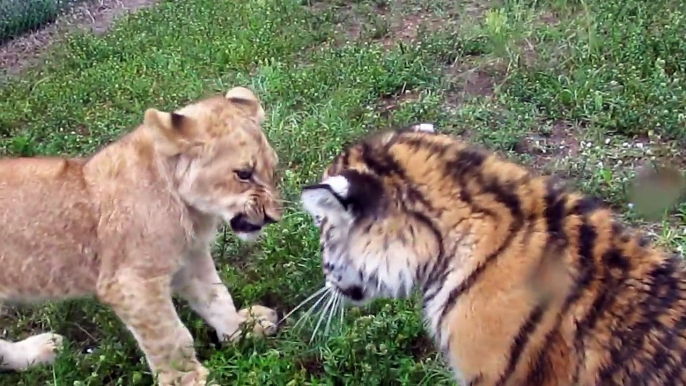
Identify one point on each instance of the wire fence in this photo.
(21, 16)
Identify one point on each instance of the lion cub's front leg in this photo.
(145, 305)
(31, 352)
(199, 284)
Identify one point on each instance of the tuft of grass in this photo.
(588, 90)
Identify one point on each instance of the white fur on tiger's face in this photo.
(360, 274)
(360, 247)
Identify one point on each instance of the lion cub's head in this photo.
(225, 165)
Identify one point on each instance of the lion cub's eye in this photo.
(244, 174)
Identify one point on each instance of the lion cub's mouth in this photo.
(240, 224)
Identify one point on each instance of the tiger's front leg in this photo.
(200, 285)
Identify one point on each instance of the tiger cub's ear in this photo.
(424, 127)
(328, 196)
(419, 128)
(351, 191)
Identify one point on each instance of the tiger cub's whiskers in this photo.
(299, 306)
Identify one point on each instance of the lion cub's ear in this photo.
(172, 132)
(245, 97)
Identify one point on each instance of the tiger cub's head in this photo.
(373, 236)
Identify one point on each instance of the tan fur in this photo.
(522, 282)
(133, 224)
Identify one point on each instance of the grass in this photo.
(20, 16)
(589, 90)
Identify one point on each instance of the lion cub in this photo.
(133, 224)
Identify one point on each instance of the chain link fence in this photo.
(20, 16)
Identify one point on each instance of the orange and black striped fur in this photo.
(523, 282)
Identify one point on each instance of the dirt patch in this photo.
(479, 83)
(636, 153)
(472, 77)
(408, 20)
(549, 18)
(604, 166)
(665, 152)
(558, 142)
(312, 365)
(406, 28)
(389, 23)
(347, 22)
(422, 347)
(388, 104)
(27, 50)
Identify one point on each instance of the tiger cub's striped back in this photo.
(523, 282)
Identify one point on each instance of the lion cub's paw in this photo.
(264, 319)
(33, 351)
(196, 377)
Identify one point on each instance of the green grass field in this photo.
(590, 90)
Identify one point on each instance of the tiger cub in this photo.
(522, 282)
